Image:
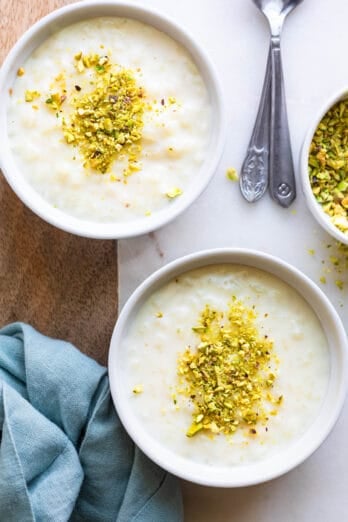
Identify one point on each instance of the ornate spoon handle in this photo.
(254, 173)
(281, 169)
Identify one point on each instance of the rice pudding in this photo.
(109, 120)
(278, 351)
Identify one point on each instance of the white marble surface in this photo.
(235, 36)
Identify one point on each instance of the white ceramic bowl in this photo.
(24, 48)
(298, 450)
(316, 209)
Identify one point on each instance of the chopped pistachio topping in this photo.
(231, 174)
(174, 193)
(30, 96)
(230, 374)
(328, 164)
(105, 123)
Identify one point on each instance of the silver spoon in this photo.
(269, 159)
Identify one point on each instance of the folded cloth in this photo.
(64, 454)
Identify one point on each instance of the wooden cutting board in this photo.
(63, 285)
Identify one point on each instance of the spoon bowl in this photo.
(276, 10)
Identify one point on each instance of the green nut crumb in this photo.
(174, 193)
(232, 174)
(339, 284)
(30, 96)
(55, 101)
(194, 429)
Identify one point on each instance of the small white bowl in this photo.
(315, 207)
(298, 450)
(37, 34)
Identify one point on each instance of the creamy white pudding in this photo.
(162, 330)
(173, 133)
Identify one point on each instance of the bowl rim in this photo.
(322, 218)
(134, 227)
(299, 450)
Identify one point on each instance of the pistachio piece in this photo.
(194, 429)
(174, 193)
(30, 96)
(138, 389)
(231, 174)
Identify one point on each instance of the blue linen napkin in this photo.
(64, 454)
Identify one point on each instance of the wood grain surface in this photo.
(63, 285)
